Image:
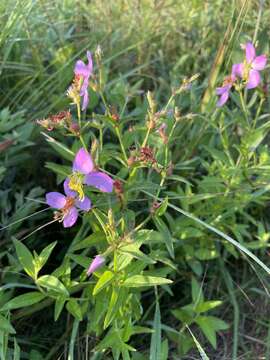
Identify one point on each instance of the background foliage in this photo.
(220, 176)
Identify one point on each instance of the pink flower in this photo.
(68, 206)
(98, 261)
(224, 90)
(84, 71)
(85, 173)
(249, 70)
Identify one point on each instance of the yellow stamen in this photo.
(75, 184)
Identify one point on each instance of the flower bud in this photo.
(151, 102)
(98, 261)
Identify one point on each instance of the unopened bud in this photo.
(177, 114)
(97, 262)
(151, 102)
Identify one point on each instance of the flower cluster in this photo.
(248, 72)
(83, 173)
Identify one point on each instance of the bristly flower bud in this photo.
(118, 187)
(131, 160)
(119, 190)
(75, 129)
(98, 54)
(114, 114)
(61, 119)
(177, 114)
(186, 84)
(151, 102)
(147, 155)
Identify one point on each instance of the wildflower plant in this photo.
(243, 75)
(132, 216)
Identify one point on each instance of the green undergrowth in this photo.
(185, 232)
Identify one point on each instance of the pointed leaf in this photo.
(51, 283)
(105, 279)
(24, 300)
(141, 280)
(74, 308)
(25, 257)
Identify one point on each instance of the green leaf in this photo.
(45, 253)
(162, 228)
(91, 240)
(207, 305)
(24, 300)
(162, 208)
(25, 257)
(141, 280)
(62, 170)
(51, 283)
(196, 291)
(74, 308)
(58, 307)
(133, 250)
(82, 260)
(184, 314)
(155, 347)
(209, 326)
(105, 279)
(113, 308)
(6, 326)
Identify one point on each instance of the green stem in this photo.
(74, 333)
(79, 115)
(258, 112)
(117, 131)
(146, 137)
(101, 138)
(80, 125)
(166, 159)
(169, 102)
(83, 143)
(244, 108)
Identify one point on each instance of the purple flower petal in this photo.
(84, 86)
(67, 189)
(85, 100)
(250, 52)
(90, 62)
(99, 180)
(253, 79)
(259, 62)
(55, 200)
(238, 70)
(71, 217)
(96, 263)
(83, 162)
(223, 99)
(222, 90)
(84, 204)
(81, 69)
